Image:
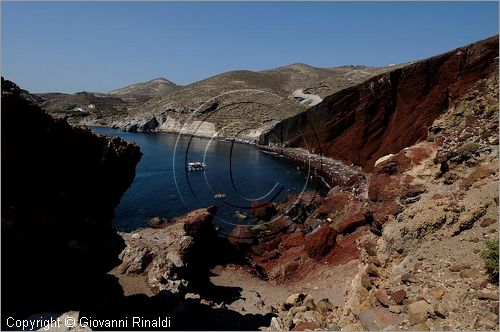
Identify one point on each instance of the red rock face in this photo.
(293, 240)
(319, 243)
(352, 222)
(390, 111)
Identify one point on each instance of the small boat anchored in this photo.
(220, 195)
(196, 166)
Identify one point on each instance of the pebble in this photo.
(395, 309)
(437, 293)
(469, 273)
(408, 278)
(456, 267)
(487, 296)
(441, 310)
(419, 327)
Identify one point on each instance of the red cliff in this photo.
(390, 111)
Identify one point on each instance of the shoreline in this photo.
(331, 172)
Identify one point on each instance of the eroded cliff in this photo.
(390, 111)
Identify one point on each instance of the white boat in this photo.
(196, 166)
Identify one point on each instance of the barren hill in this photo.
(144, 90)
(241, 104)
(81, 104)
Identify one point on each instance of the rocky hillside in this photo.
(390, 111)
(143, 91)
(100, 106)
(81, 105)
(241, 104)
(60, 185)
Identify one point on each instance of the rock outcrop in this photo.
(60, 185)
(390, 111)
(170, 255)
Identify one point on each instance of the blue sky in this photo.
(91, 46)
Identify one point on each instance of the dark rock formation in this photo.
(390, 111)
(60, 185)
(263, 210)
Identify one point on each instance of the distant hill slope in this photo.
(145, 90)
(82, 104)
(241, 104)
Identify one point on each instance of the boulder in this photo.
(294, 299)
(372, 271)
(408, 278)
(377, 319)
(297, 309)
(469, 273)
(242, 236)
(300, 206)
(309, 303)
(276, 324)
(456, 267)
(487, 221)
(374, 260)
(483, 323)
(383, 298)
(395, 309)
(418, 312)
(306, 326)
(441, 309)
(366, 281)
(419, 327)
(437, 293)
(398, 295)
(168, 255)
(487, 296)
(310, 316)
(156, 222)
(263, 210)
(325, 305)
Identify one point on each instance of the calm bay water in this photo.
(163, 188)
